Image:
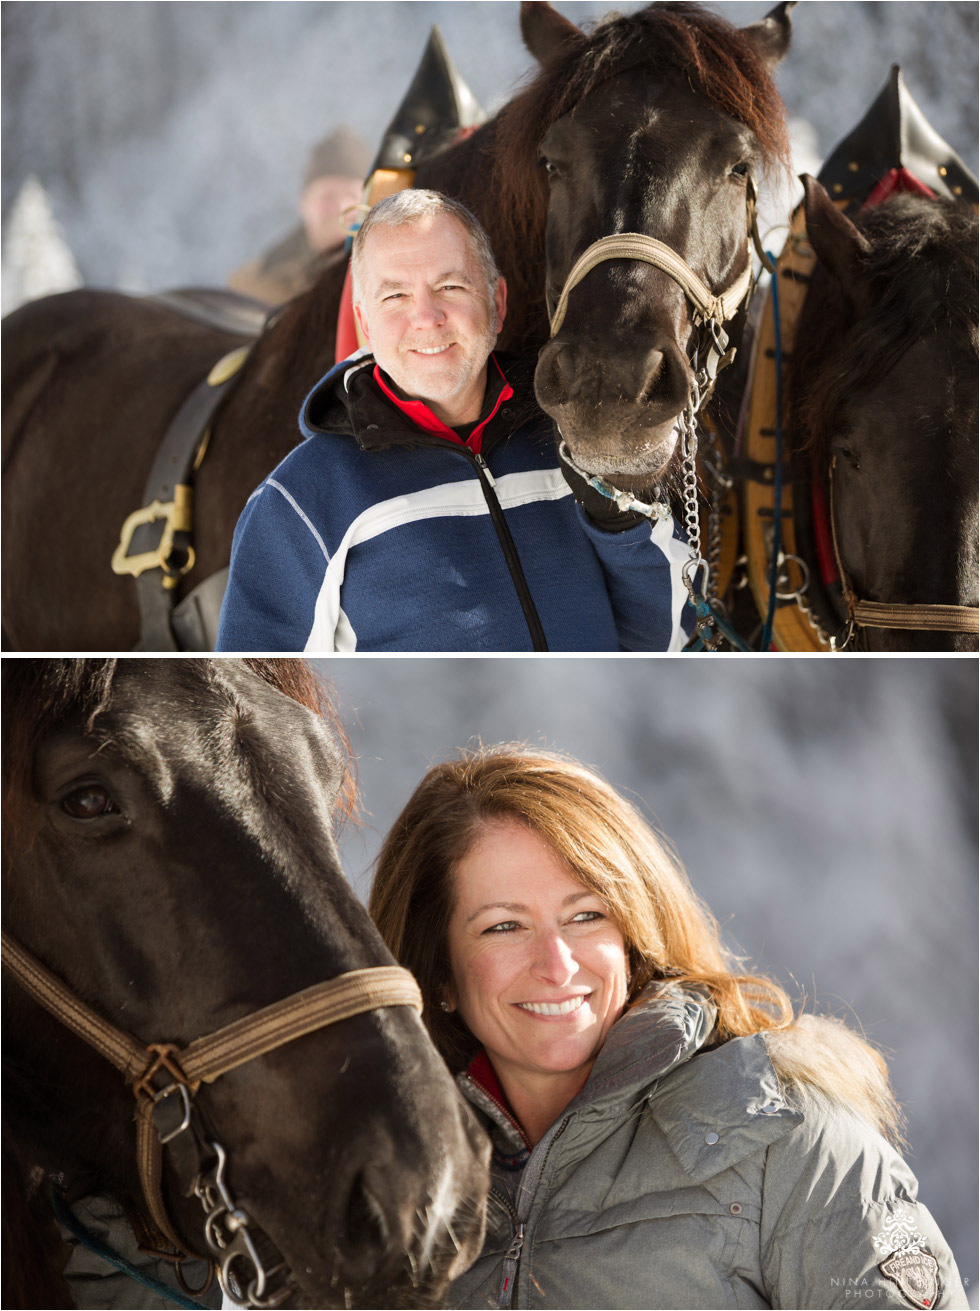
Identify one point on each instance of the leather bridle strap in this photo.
(881, 614)
(205, 1059)
(928, 618)
(638, 246)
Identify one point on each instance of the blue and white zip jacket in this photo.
(386, 531)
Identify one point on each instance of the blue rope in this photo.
(777, 499)
(89, 1240)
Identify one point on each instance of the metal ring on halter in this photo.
(800, 591)
(186, 1098)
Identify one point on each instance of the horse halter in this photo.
(638, 246)
(882, 614)
(710, 310)
(711, 313)
(158, 1071)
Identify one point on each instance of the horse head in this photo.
(656, 123)
(884, 392)
(171, 858)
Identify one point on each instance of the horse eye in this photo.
(741, 170)
(549, 168)
(88, 802)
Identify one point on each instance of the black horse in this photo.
(655, 122)
(170, 857)
(883, 396)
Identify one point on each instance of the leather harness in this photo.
(156, 541)
(157, 1071)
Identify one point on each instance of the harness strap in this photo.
(882, 614)
(206, 1058)
(638, 246)
(118, 1047)
(149, 1163)
(927, 618)
(314, 1008)
(155, 544)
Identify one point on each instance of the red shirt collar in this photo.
(420, 414)
(485, 1077)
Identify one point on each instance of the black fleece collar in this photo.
(351, 403)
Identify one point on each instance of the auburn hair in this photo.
(612, 850)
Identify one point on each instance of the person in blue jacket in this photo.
(427, 509)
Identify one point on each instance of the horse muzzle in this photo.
(617, 400)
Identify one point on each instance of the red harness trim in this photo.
(347, 342)
(422, 416)
(894, 182)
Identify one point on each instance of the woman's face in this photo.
(539, 966)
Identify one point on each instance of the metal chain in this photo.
(705, 626)
(717, 486)
(824, 637)
(799, 597)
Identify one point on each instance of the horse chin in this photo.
(633, 462)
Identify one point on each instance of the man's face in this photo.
(428, 315)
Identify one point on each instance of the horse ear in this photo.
(834, 237)
(545, 31)
(771, 36)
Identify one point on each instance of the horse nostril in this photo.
(565, 363)
(367, 1229)
(656, 367)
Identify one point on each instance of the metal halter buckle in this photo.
(228, 1239)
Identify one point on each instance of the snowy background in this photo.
(825, 810)
(167, 141)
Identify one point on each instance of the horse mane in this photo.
(920, 275)
(720, 63)
(40, 694)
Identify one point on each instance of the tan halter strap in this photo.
(205, 1059)
(638, 246)
(881, 614)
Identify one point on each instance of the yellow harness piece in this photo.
(791, 631)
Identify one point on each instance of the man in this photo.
(427, 511)
(332, 189)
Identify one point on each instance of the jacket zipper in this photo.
(487, 484)
(519, 1214)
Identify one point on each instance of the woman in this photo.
(665, 1132)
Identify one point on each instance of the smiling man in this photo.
(426, 510)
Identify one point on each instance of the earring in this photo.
(444, 1005)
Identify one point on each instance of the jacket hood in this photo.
(348, 402)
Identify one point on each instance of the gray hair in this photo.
(407, 207)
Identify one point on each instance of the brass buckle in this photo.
(178, 517)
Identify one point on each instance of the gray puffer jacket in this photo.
(685, 1175)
